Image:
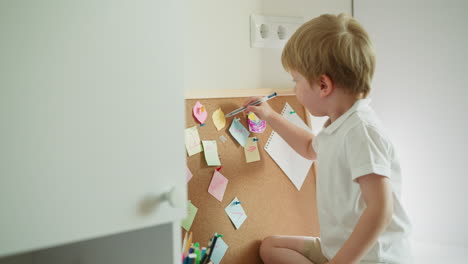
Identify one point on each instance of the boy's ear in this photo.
(326, 85)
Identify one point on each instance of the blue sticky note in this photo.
(236, 213)
(219, 251)
(239, 132)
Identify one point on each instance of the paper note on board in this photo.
(211, 152)
(251, 150)
(192, 141)
(188, 175)
(236, 213)
(199, 112)
(219, 251)
(293, 165)
(191, 212)
(218, 119)
(239, 132)
(223, 139)
(218, 185)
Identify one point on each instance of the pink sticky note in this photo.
(189, 175)
(218, 185)
(199, 112)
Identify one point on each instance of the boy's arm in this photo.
(377, 193)
(298, 138)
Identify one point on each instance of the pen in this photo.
(264, 99)
(191, 258)
(184, 246)
(203, 252)
(212, 248)
(189, 242)
(208, 249)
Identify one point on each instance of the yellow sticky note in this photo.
(218, 119)
(192, 141)
(251, 150)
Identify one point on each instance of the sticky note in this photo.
(223, 139)
(189, 175)
(251, 150)
(199, 112)
(236, 213)
(256, 125)
(239, 132)
(191, 212)
(219, 251)
(218, 119)
(192, 141)
(218, 185)
(211, 152)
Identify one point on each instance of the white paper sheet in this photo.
(293, 165)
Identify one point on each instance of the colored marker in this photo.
(203, 252)
(198, 253)
(191, 258)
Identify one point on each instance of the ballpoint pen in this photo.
(264, 99)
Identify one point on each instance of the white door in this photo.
(91, 117)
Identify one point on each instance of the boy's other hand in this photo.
(263, 110)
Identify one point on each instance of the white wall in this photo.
(217, 46)
(420, 92)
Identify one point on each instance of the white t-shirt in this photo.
(352, 146)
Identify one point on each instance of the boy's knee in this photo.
(266, 246)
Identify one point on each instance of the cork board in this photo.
(272, 204)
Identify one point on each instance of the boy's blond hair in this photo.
(335, 45)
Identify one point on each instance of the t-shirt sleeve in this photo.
(368, 151)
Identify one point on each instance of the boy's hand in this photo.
(263, 110)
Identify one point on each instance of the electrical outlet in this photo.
(272, 31)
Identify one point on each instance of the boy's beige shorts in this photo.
(313, 250)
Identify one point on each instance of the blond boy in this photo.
(331, 60)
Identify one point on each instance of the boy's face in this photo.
(307, 94)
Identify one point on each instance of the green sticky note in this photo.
(191, 212)
(211, 152)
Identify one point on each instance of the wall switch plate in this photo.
(272, 31)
